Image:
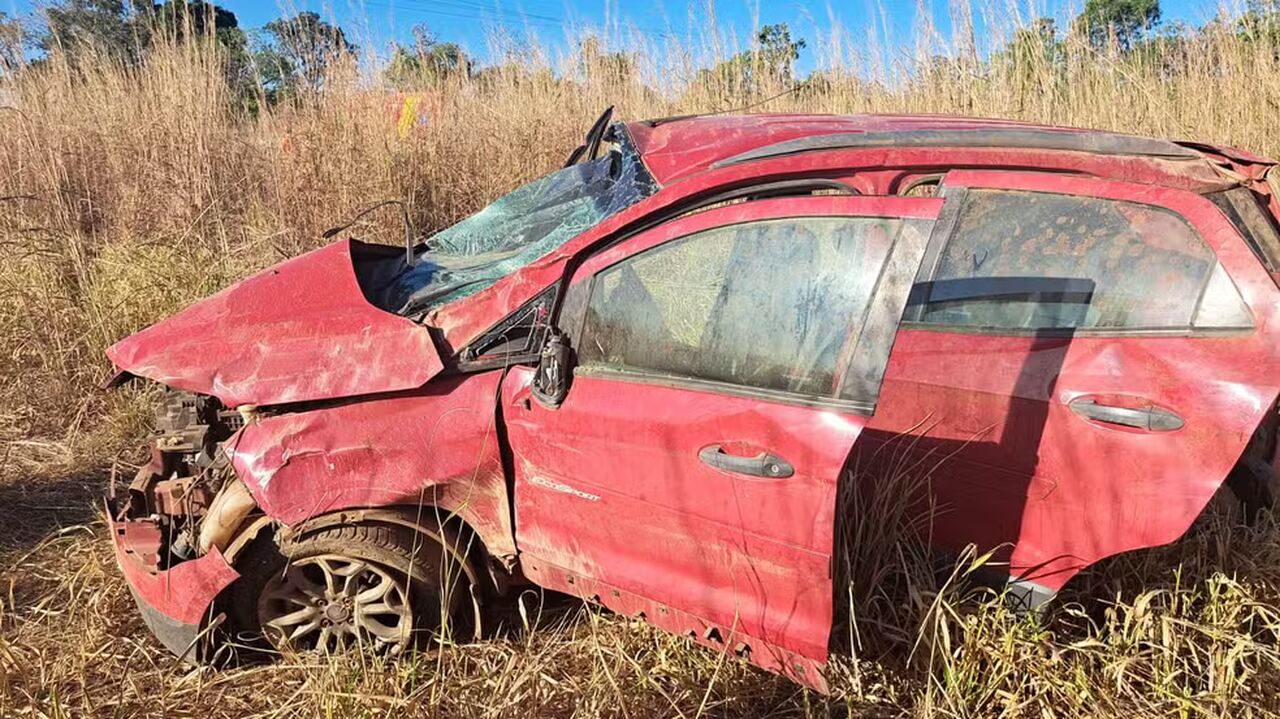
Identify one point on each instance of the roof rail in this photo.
(1102, 143)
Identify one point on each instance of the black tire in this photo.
(1253, 483)
(429, 583)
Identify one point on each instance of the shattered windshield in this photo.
(517, 229)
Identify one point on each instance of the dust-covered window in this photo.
(1028, 261)
(769, 304)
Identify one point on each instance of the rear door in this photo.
(1087, 359)
(726, 363)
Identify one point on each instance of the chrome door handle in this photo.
(1150, 419)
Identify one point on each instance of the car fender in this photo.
(436, 447)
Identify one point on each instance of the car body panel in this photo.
(302, 330)
(436, 447)
(299, 331)
(174, 603)
(678, 148)
(1065, 492)
(619, 498)
(610, 486)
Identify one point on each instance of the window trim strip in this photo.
(638, 375)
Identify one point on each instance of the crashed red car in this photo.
(641, 379)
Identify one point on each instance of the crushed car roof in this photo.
(674, 148)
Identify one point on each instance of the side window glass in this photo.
(770, 304)
(1028, 261)
(1221, 306)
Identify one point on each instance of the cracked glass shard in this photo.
(516, 230)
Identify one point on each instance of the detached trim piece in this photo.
(1101, 143)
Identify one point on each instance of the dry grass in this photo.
(125, 194)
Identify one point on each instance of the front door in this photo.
(1085, 360)
(726, 363)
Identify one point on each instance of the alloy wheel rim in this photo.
(332, 603)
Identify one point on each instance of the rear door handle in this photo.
(765, 464)
(1150, 419)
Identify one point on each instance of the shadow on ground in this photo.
(34, 508)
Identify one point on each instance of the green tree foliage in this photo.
(1035, 59)
(300, 50)
(770, 62)
(12, 38)
(1261, 22)
(108, 27)
(126, 30)
(195, 18)
(1127, 21)
(427, 62)
(1170, 50)
(182, 20)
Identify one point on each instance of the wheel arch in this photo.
(434, 447)
(448, 529)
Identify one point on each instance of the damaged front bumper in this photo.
(175, 572)
(176, 602)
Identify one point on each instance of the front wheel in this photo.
(378, 586)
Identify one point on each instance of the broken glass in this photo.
(516, 230)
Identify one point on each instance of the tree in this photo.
(776, 52)
(12, 37)
(1261, 23)
(275, 74)
(1127, 21)
(769, 62)
(127, 29)
(1034, 60)
(197, 17)
(108, 27)
(181, 20)
(428, 61)
(302, 47)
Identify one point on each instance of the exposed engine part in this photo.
(187, 478)
(225, 515)
(191, 424)
(184, 495)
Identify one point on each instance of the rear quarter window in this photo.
(1030, 261)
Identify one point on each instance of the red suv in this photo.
(641, 379)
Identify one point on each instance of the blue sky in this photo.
(469, 22)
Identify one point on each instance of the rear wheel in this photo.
(1253, 482)
(379, 586)
(1249, 490)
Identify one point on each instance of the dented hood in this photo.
(299, 331)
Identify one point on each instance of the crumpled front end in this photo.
(300, 331)
(176, 603)
(171, 526)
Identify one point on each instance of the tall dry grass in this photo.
(126, 193)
